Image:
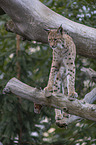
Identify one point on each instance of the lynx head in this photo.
(55, 37)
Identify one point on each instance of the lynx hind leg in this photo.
(57, 89)
(64, 87)
(61, 81)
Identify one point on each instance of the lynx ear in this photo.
(60, 30)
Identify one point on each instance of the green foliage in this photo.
(18, 122)
(80, 11)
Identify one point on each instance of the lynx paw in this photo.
(73, 96)
(48, 92)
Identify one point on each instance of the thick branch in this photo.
(78, 107)
(30, 17)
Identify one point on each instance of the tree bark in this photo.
(31, 17)
(81, 108)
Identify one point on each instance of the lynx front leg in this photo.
(71, 80)
(52, 78)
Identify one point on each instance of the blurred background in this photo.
(30, 62)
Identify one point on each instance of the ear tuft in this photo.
(60, 29)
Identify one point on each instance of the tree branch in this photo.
(31, 17)
(77, 107)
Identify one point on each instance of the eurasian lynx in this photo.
(63, 64)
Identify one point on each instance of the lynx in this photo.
(62, 74)
(63, 65)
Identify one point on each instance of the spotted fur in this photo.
(63, 64)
